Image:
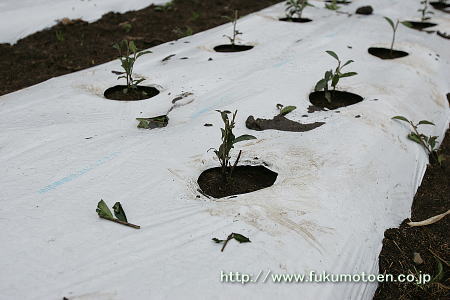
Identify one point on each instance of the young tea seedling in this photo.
(128, 56)
(126, 26)
(394, 29)
(235, 31)
(333, 77)
(295, 7)
(238, 237)
(228, 141)
(424, 11)
(104, 213)
(428, 142)
(285, 110)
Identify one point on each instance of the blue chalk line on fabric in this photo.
(77, 174)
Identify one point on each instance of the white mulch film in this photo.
(339, 186)
(19, 18)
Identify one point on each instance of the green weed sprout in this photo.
(428, 142)
(128, 56)
(333, 77)
(228, 141)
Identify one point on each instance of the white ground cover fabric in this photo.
(63, 147)
(19, 18)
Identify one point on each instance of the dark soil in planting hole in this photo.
(154, 122)
(245, 179)
(280, 123)
(340, 99)
(399, 244)
(232, 48)
(421, 25)
(140, 93)
(41, 56)
(385, 53)
(296, 20)
(441, 6)
(339, 2)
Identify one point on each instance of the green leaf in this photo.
(334, 81)
(332, 54)
(328, 96)
(119, 212)
(217, 240)
(287, 110)
(401, 118)
(240, 238)
(103, 210)
(142, 53)
(320, 85)
(440, 272)
(132, 46)
(425, 122)
(441, 158)
(390, 22)
(143, 124)
(244, 137)
(348, 74)
(414, 137)
(328, 75)
(432, 141)
(347, 63)
(407, 24)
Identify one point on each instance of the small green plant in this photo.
(238, 237)
(428, 142)
(104, 213)
(128, 56)
(332, 5)
(394, 27)
(126, 26)
(424, 11)
(183, 33)
(59, 36)
(228, 141)
(166, 7)
(285, 110)
(235, 31)
(195, 16)
(333, 77)
(295, 7)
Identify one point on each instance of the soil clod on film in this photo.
(385, 53)
(132, 94)
(245, 179)
(296, 20)
(232, 48)
(280, 123)
(364, 10)
(340, 99)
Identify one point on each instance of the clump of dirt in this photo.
(280, 123)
